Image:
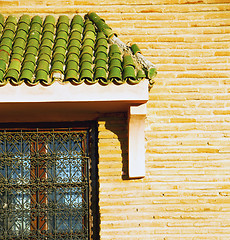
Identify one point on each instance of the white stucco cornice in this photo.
(66, 102)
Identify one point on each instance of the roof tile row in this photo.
(36, 50)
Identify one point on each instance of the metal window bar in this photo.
(44, 184)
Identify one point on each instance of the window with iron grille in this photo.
(45, 184)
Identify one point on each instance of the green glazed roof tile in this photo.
(86, 66)
(17, 56)
(100, 75)
(100, 49)
(44, 57)
(30, 58)
(24, 18)
(62, 27)
(88, 42)
(41, 75)
(135, 48)
(18, 50)
(115, 56)
(101, 64)
(100, 35)
(33, 43)
(11, 19)
(73, 56)
(10, 26)
(100, 23)
(72, 65)
(63, 19)
(35, 27)
(140, 74)
(115, 63)
(37, 19)
(89, 28)
(43, 65)
(74, 43)
(8, 34)
(49, 20)
(5, 48)
(115, 73)
(4, 56)
(29, 65)
(23, 26)
(49, 28)
(58, 57)
(21, 34)
(114, 49)
(26, 75)
(60, 43)
(73, 49)
(47, 43)
(35, 35)
(46, 35)
(102, 55)
(34, 48)
(31, 50)
(86, 58)
(15, 64)
(57, 66)
(86, 74)
(89, 35)
(12, 74)
(7, 42)
(62, 35)
(77, 28)
(102, 42)
(60, 50)
(129, 73)
(87, 50)
(128, 60)
(19, 42)
(72, 75)
(77, 19)
(1, 29)
(45, 50)
(152, 73)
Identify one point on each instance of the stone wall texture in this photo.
(186, 192)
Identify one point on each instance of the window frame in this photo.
(91, 127)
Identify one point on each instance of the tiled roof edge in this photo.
(148, 66)
(44, 50)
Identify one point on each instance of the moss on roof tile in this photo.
(41, 50)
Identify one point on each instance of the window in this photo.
(45, 184)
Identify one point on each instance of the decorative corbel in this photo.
(136, 142)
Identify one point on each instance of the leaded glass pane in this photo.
(44, 184)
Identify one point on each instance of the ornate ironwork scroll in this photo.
(44, 184)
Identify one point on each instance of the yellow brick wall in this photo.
(186, 192)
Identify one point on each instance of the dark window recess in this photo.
(44, 184)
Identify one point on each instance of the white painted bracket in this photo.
(136, 145)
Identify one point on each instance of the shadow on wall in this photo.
(116, 123)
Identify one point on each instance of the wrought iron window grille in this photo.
(44, 184)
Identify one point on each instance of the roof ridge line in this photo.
(134, 50)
